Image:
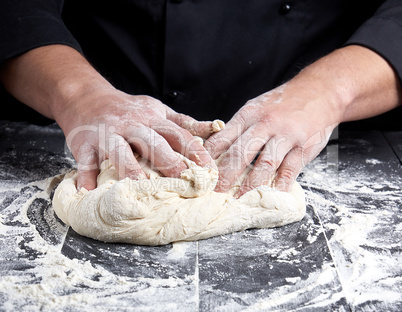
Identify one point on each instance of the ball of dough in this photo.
(161, 210)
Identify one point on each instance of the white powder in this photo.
(354, 207)
(360, 210)
(53, 282)
(373, 161)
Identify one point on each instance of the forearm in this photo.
(358, 81)
(49, 78)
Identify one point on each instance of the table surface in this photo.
(345, 255)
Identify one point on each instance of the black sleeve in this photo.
(382, 33)
(28, 24)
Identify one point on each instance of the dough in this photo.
(161, 210)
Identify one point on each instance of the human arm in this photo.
(291, 124)
(100, 121)
(358, 81)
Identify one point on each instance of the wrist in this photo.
(67, 80)
(318, 95)
(69, 94)
(51, 79)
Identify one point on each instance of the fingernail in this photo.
(199, 140)
(82, 190)
(238, 194)
(135, 175)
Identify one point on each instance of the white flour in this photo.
(54, 282)
(361, 210)
(354, 207)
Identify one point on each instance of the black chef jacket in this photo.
(204, 58)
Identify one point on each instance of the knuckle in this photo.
(287, 174)
(185, 118)
(223, 185)
(247, 109)
(224, 162)
(293, 128)
(266, 164)
(211, 143)
(154, 120)
(237, 152)
(242, 119)
(268, 118)
(232, 161)
(216, 145)
(147, 98)
(135, 128)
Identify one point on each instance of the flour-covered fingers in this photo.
(88, 167)
(290, 168)
(220, 141)
(122, 158)
(233, 162)
(202, 129)
(184, 143)
(154, 147)
(266, 165)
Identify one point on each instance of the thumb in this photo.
(88, 169)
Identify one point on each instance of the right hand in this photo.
(110, 124)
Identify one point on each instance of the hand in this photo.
(110, 124)
(288, 126)
(291, 124)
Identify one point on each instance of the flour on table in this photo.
(161, 210)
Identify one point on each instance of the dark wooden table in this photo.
(345, 255)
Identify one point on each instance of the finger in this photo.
(288, 171)
(153, 147)
(122, 158)
(266, 165)
(184, 143)
(202, 129)
(239, 156)
(220, 142)
(88, 167)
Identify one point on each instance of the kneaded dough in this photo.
(161, 210)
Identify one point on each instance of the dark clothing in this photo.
(204, 58)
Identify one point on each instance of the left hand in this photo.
(289, 126)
